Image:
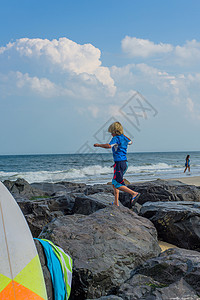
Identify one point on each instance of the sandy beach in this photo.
(164, 246)
(188, 179)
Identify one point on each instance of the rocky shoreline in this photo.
(115, 250)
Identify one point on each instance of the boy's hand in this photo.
(106, 146)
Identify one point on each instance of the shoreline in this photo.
(190, 180)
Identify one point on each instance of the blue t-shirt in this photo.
(119, 145)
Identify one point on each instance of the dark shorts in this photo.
(120, 168)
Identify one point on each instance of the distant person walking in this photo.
(187, 163)
(119, 144)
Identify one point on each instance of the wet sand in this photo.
(164, 246)
(189, 179)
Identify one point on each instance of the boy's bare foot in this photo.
(113, 203)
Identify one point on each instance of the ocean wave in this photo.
(55, 176)
(147, 168)
(88, 173)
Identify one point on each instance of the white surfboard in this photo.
(21, 276)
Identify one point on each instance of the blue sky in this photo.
(68, 67)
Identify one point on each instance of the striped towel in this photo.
(65, 263)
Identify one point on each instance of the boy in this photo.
(119, 145)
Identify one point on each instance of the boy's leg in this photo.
(116, 193)
(124, 189)
(127, 190)
(121, 169)
(118, 182)
(134, 194)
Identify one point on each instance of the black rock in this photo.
(174, 273)
(40, 212)
(105, 246)
(162, 190)
(37, 215)
(21, 189)
(141, 287)
(62, 187)
(98, 188)
(176, 222)
(87, 205)
(49, 187)
(63, 204)
(111, 297)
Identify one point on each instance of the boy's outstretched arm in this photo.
(106, 146)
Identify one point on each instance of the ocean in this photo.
(96, 168)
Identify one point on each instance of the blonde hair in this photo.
(116, 128)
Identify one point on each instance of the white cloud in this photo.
(60, 68)
(178, 89)
(194, 78)
(61, 56)
(143, 74)
(94, 110)
(114, 110)
(182, 55)
(193, 109)
(188, 53)
(143, 48)
(190, 105)
(24, 83)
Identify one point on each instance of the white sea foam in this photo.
(55, 176)
(90, 173)
(95, 168)
(146, 168)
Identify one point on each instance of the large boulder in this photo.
(105, 246)
(22, 189)
(63, 204)
(174, 274)
(162, 190)
(49, 187)
(176, 222)
(61, 187)
(37, 215)
(87, 205)
(141, 287)
(98, 188)
(40, 212)
(110, 297)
